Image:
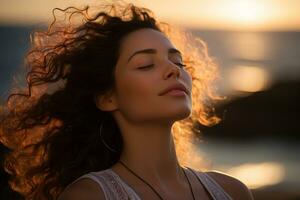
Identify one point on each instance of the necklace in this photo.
(190, 186)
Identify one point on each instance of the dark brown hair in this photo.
(52, 127)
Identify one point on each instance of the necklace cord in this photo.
(190, 186)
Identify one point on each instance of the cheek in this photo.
(135, 87)
(135, 93)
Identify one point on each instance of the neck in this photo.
(149, 151)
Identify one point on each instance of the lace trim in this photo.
(214, 189)
(112, 185)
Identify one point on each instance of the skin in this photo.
(145, 120)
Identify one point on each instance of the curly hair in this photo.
(51, 125)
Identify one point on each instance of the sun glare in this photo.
(246, 11)
(209, 14)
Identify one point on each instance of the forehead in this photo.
(145, 38)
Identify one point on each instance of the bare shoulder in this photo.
(83, 189)
(234, 187)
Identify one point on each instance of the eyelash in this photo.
(178, 64)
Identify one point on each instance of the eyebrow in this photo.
(153, 51)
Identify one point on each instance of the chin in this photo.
(182, 115)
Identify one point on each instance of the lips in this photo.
(177, 86)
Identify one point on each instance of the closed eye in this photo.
(180, 65)
(148, 66)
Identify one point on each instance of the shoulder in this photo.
(82, 189)
(234, 187)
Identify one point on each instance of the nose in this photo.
(172, 70)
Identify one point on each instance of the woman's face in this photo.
(142, 76)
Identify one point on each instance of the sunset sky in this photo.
(270, 15)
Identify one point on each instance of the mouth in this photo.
(176, 92)
(175, 89)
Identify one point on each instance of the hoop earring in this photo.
(105, 144)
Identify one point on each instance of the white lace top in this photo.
(115, 188)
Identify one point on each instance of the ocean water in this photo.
(14, 43)
(277, 51)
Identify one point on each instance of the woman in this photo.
(108, 101)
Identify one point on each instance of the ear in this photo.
(106, 102)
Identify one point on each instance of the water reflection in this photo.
(248, 78)
(268, 166)
(257, 175)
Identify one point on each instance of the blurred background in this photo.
(257, 46)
